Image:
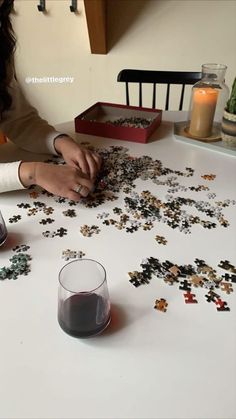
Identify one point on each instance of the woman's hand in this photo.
(61, 180)
(76, 156)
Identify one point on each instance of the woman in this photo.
(20, 122)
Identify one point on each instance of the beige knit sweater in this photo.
(24, 127)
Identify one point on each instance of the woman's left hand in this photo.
(77, 156)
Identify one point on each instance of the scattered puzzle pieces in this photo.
(174, 270)
(187, 276)
(32, 211)
(19, 266)
(21, 248)
(15, 219)
(45, 221)
(185, 285)
(23, 205)
(34, 194)
(209, 177)
(227, 287)
(60, 232)
(161, 240)
(48, 210)
(224, 264)
(222, 305)
(161, 305)
(170, 279)
(197, 280)
(143, 211)
(89, 231)
(211, 296)
(189, 298)
(69, 213)
(72, 254)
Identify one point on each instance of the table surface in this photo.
(148, 364)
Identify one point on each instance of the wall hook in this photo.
(42, 6)
(73, 6)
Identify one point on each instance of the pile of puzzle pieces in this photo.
(19, 264)
(187, 277)
(140, 210)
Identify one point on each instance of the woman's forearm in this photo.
(27, 173)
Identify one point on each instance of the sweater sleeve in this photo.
(23, 125)
(9, 177)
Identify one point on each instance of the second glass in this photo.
(83, 299)
(3, 230)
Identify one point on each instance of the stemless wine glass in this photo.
(3, 230)
(83, 298)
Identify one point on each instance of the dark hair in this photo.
(7, 47)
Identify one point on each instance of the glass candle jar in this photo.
(208, 100)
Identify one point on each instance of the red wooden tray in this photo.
(93, 121)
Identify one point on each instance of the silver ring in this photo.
(78, 189)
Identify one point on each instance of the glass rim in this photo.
(81, 260)
(214, 66)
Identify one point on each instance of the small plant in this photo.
(231, 104)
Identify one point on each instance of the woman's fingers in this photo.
(97, 159)
(90, 163)
(93, 166)
(65, 181)
(81, 161)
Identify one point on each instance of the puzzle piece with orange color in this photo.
(197, 280)
(227, 287)
(161, 305)
(209, 177)
(34, 194)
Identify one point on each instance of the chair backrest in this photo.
(158, 77)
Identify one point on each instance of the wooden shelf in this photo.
(95, 11)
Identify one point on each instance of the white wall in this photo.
(149, 34)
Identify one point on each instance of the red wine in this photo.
(84, 314)
(3, 234)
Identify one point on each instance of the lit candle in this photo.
(203, 111)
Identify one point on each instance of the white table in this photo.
(149, 364)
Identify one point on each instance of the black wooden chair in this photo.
(158, 77)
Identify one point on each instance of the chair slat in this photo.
(167, 97)
(154, 96)
(140, 95)
(127, 93)
(181, 98)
